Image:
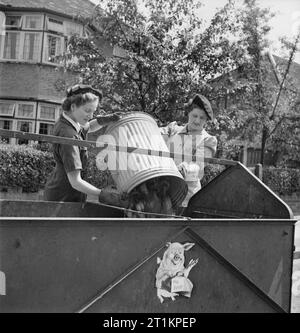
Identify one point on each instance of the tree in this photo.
(261, 95)
(165, 56)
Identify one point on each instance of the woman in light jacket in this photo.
(192, 140)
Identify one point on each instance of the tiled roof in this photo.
(67, 7)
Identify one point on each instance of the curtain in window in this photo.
(7, 108)
(47, 112)
(11, 45)
(33, 22)
(31, 46)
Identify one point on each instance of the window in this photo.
(55, 25)
(13, 21)
(24, 126)
(11, 45)
(53, 47)
(31, 49)
(21, 46)
(7, 108)
(25, 110)
(47, 112)
(45, 128)
(7, 125)
(33, 22)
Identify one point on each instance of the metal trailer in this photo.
(69, 257)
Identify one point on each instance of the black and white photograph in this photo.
(149, 159)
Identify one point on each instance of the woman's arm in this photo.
(100, 121)
(106, 195)
(81, 185)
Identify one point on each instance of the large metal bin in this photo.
(65, 257)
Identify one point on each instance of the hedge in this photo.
(23, 166)
(29, 168)
(210, 172)
(282, 181)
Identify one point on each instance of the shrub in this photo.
(23, 166)
(210, 172)
(283, 181)
(29, 168)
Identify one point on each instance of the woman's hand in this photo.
(189, 171)
(182, 168)
(105, 119)
(111, 196)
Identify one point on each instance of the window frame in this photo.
(32, 29)
(3, 101)
(46, 48)
(47, 105)
(39, 46)
(14, 26)
(38, 125)
(27, 121)
(12, 120)
(17, 116)
(17, 120)
(20, 50)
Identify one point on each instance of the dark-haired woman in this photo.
(66, 183)
(192, 139)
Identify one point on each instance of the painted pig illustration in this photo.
(172, 275)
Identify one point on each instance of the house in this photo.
(32, 84)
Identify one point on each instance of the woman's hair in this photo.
(80, 94)
(199, 101)
(78, 100)
(190, 107)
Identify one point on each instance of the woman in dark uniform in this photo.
(66, 183)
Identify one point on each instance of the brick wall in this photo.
(21, 80)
